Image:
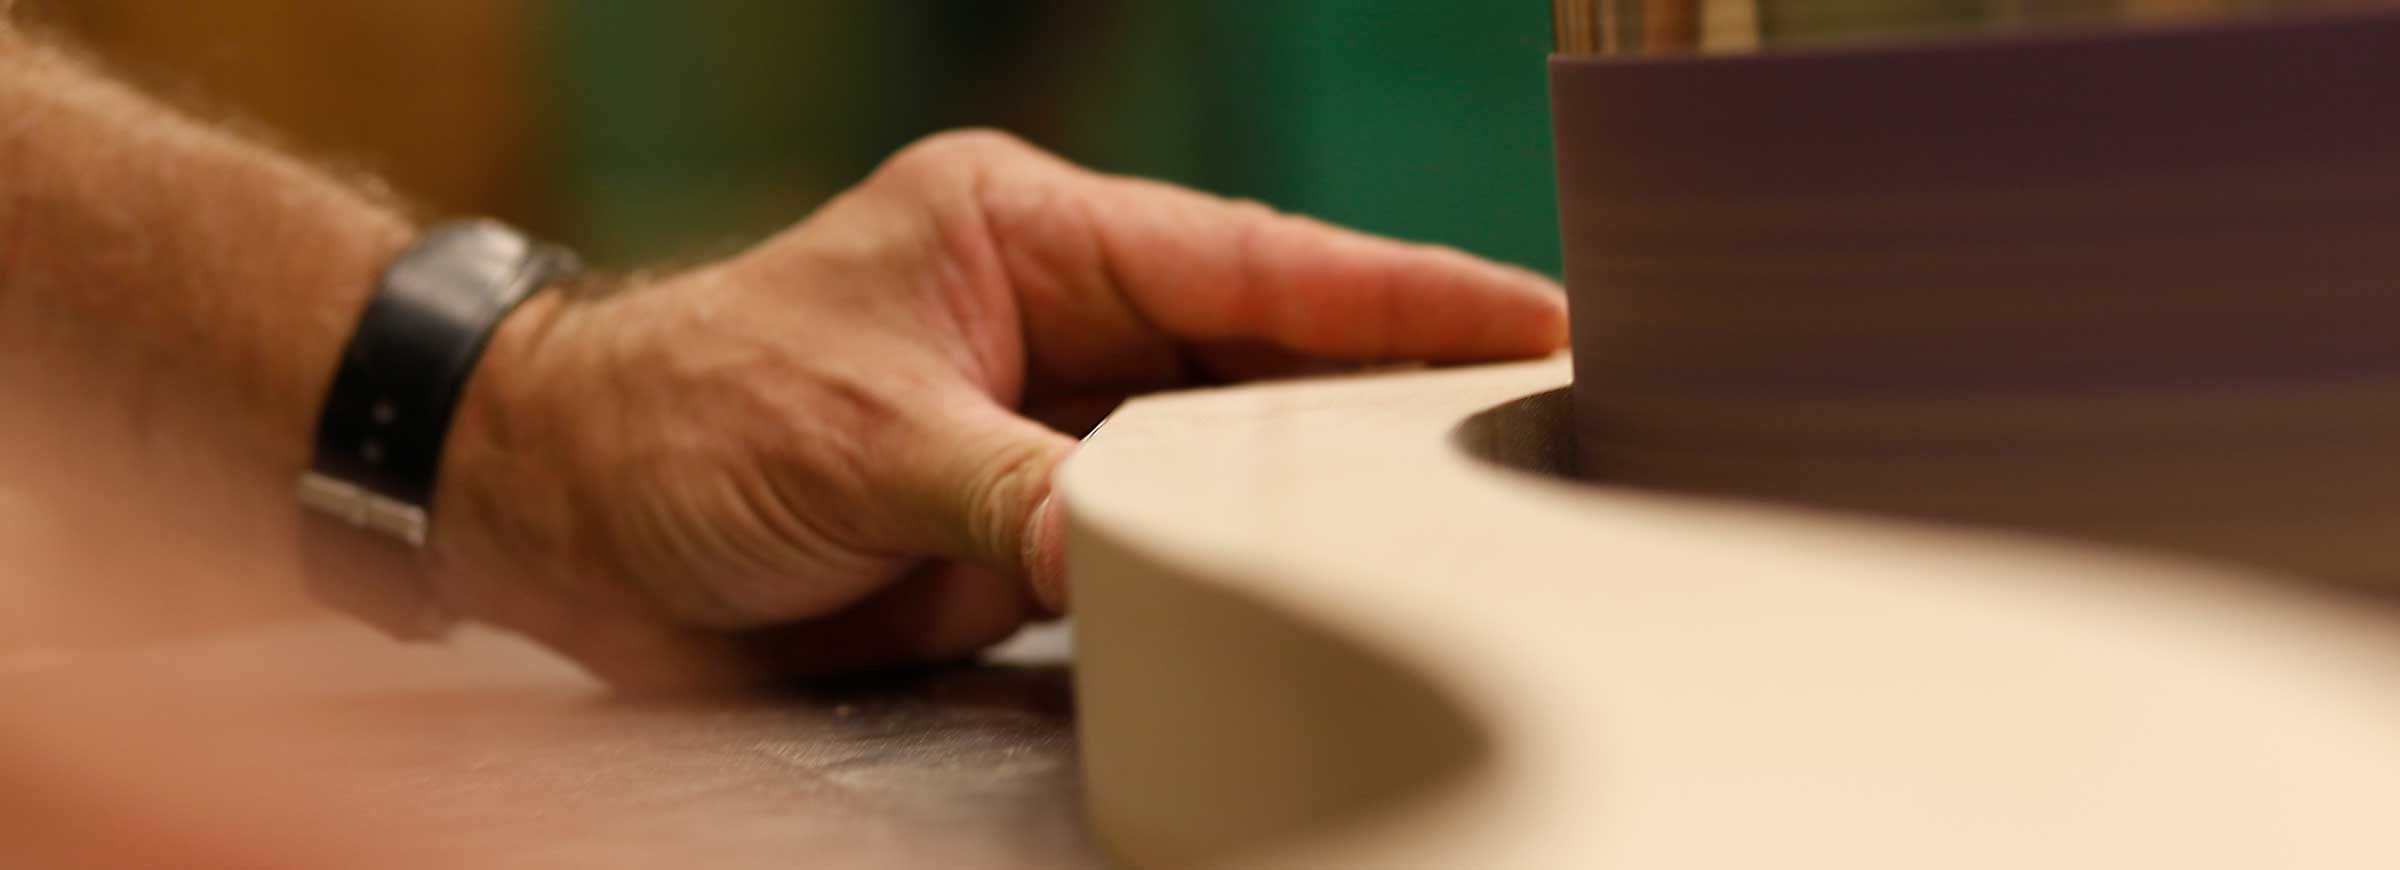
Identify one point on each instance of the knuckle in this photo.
(952, 151)
(1253, 210)
(978, 140)
(998, 495)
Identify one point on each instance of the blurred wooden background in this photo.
(434, 96)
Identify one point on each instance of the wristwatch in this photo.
(368, 492)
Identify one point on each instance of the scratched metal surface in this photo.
(487, 753)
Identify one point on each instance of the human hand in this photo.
(823, 454)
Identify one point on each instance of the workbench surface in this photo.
(319, 741)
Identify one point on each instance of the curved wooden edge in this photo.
(1312, 631)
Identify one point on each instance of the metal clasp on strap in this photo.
(366, 510)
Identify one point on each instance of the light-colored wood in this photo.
(1314, 632)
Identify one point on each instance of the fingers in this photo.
(1008, 465)
(1096, 259)
(973, 478)
(1002, 513)
(1204, 268)
(1046, 556)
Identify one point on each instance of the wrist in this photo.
(501, 441)
(399, 390)
(352, 250)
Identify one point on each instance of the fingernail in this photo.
(1045, 555)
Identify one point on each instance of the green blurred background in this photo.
(1422, 120)
(641, 129)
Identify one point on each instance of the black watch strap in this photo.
(379, 437)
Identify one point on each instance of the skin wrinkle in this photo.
(860, 418)
(780, 488)
(978, 262)
(783, 524)
(966, 290)
(572, 516)
(668, 514)
(790, 456)
(741, 589)
(1034, 276)
(1036, 271)
(665, 515)
(662, 519)
(963, 258)
(1261, 302)
(1394, 309)
(1182, 361)
(1000, 541)
(1362, 291)
(1039, 278)
(748, 590)
(1118, 296)
(761, 587)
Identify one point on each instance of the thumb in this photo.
(1046, 555)
(991, 496)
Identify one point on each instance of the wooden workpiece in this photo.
(1315, 631)
(2133, 283)
(2116, 304)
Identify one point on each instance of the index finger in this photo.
(1203, 268)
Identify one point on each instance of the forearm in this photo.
(171, 296)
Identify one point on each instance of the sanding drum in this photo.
(2124, 271)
